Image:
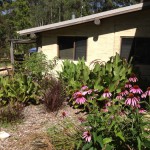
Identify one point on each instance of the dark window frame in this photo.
(75, 40)
(133, 52)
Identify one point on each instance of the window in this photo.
(138, 48)
(72, 47)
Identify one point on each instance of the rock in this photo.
(4, 135)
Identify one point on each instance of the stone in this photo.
(4, 135)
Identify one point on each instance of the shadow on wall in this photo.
(140, 52)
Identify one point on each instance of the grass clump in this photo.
(11, 114)
(65, 135)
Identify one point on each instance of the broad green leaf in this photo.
(107, 140)
(119, 134)
(139, 143)
(94, 137)
(108, 147)
(100, 141)
(87, 146)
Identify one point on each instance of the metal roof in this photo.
(102, 15)
(22, 41)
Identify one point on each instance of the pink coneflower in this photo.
(84, 88)
(128, 85)
(81, 119)
(64, 114)
(96, 90)
(148, 91)
(87, 136)
(119, 97)
(104, 109)
(106, 94)
(144, 95)
(79, 98)
(124, 92)
(107, 104)
(122, 113)
(136, 89)
(142, 111)
(133, 78)
(132, 100)
(138, 105)
(89, 91)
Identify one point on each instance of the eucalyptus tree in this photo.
(103, 5)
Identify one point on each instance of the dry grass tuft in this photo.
(35, 141)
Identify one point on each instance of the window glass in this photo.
(138, 48)
(80, 48)
(72, 47)
(66, 47)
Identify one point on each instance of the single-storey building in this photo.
(124, 30)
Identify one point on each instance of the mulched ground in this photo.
(30, 134)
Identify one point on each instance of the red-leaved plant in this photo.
(54, 94)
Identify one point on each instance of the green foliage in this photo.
(24, 87)
(111, 130)
(112, 122)
(112, 76)
(19, 88)
(74, 75)
(37, 65)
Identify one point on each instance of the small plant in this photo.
(11, 114)
(65, 136)
(19, 88)
(38, 66)
(54, 94)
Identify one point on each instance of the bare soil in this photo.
(31, 133)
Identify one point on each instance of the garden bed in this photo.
(110, 95)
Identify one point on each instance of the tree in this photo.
(21, 14)
(103, 5)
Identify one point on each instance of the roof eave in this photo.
(102, 15)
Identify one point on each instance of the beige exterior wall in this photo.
(104, 40)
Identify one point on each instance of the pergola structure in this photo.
(18, 41)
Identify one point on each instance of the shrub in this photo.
(19, 88)
(37, 66)
(10, 114)
(54, 95)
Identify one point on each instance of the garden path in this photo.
(30, 134)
